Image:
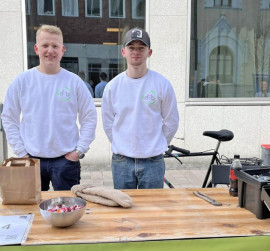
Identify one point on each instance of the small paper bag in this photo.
(20, 181)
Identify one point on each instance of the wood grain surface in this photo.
(158, 214)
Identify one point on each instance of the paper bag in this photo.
(20, 181)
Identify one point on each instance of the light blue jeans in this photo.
(131, 173)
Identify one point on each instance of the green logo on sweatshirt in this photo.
(149, 97)
(64, 94)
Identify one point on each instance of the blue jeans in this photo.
(131, 173)
(63, 173)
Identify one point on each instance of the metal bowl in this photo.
(63, 219)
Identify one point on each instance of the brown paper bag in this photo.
(20, 181)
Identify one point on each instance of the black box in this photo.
(253, 194)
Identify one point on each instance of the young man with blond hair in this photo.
(140, 117)
(49, 100)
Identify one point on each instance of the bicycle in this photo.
(220, 136)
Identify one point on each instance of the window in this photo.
(223, 3)
(113, 70)
(117, 9)
(70, 8)
(221, 64)
(93, 41)
(70, 64)
(27, 7)
(235, 4)
(229, 55)
(138, 9)
(45, 8)
(93, 8)
(93, 72)
(265, 4)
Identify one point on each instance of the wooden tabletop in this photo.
(158, 214)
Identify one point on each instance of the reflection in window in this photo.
(223, 3)
(265, 4)
(70, 8)
(236, 4)
(45, 7)
(113, 70)
(70, 64)
(221, 64)
(117, 8)
(93, 71)
(228, 53)
(93, 45)
(27, 7)
(138, 8)
(93, 8)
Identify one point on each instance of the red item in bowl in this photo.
(63, 209)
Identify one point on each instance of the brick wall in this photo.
(83, 30)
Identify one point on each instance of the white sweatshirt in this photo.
(48, 106)
(140, 116)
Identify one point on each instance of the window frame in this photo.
(45, 14)
(77, 10)
(124, 10)
(190, 101)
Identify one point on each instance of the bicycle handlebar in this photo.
(180, 150)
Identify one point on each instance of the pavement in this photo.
(179, 177)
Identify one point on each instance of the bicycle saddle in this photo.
(222, 135)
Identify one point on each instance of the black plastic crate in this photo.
(253, 194)
(265, 196)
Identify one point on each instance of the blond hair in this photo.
(49, 28)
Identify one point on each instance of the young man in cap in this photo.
(140, 118)
(49, 99)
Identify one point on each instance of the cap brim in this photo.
(137, 39)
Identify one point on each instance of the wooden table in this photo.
(158, 214)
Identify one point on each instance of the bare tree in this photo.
(261, 37)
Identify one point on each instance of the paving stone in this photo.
(179, 176)
(186, 178)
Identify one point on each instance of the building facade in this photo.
(213, 53)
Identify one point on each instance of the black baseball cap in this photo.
(137, 34)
